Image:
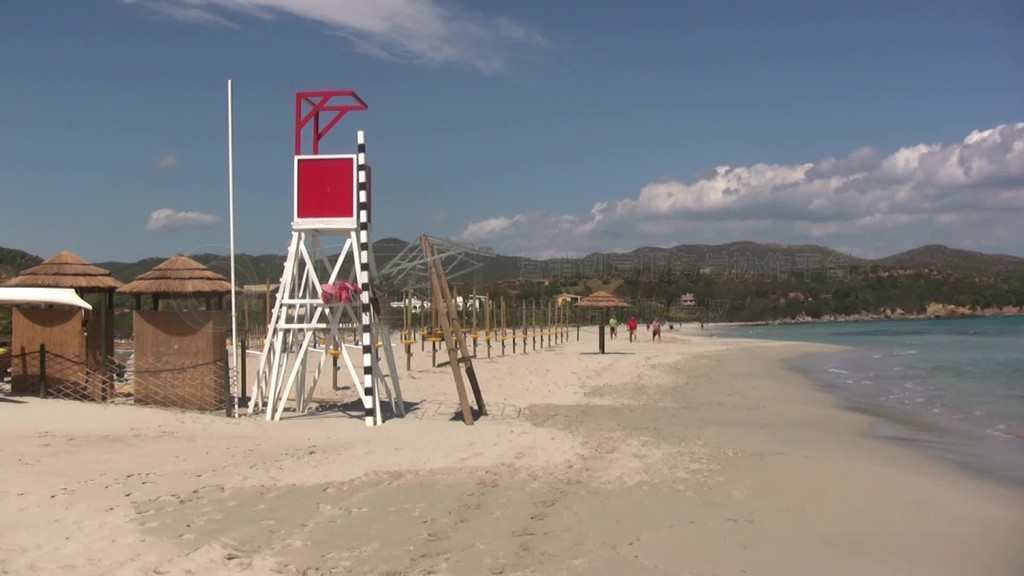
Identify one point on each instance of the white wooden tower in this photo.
(325, 290)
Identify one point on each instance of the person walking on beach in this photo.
(612, 324)
(656, 330)
(631, 326)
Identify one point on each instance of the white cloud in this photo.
(167, 161)
(424, 31)
(968, 194)
(170, 219)
(191, 11)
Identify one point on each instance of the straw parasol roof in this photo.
(602, 299)
(66, 270)
(178, 275)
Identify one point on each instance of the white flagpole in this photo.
(231, 226)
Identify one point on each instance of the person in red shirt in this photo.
(631, 326)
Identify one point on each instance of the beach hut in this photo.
(78, 342)
(180, 356)
(603, 301)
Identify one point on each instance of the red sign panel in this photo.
(325, 187)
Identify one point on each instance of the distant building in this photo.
(563, 298)
(415, 305)
(688, 300)
(259, 289)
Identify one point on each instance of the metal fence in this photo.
(120, 380)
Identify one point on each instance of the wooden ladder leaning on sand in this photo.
(454, 339)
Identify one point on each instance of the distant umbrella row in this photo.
(176, 276)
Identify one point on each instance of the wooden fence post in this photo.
(42, 370)
(228, 406)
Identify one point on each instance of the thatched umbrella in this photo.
(604, 301)
(69, 270)
(66, 270)
(177, 277)
(184, 354)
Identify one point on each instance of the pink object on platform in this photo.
(340, 292)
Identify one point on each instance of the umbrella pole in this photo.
(600, 331)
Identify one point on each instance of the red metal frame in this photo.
(321, 101)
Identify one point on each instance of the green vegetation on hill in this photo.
(740, 281)
(13, 261)
(859, 290)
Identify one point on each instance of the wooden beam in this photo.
(443, 313)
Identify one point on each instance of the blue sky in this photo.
(537, 128)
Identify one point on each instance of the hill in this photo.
(13, 261)
(737, 259)
(939, 257)
(249, 269)
(736, 282)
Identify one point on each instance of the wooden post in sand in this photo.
(525, 335)
(515, 337)
(544, 325)
(504, 332)
(487, 323)
(551, 324)
(423, 328)
(565, 322)
(558, 324)
(407, 329)
(532, 322)
(458, 309)
(561, 323)
(473, 304)
(539, 322)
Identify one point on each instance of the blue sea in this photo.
(953, 388)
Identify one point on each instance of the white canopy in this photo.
(62, 296)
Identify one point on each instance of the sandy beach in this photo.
(694, 455)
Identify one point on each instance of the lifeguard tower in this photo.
(323, 292)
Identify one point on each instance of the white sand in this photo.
(690, 456)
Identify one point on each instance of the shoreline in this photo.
(971, 449)
(661, 458)
(851, 319)
(978, 447)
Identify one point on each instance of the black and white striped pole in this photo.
(363, 210)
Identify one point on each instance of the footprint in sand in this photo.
(434, 537)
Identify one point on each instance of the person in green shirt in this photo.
(612, 324)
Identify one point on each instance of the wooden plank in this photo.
(460, 338)
(436, 279)
(463, 360)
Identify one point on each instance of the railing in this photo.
(121, 380)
